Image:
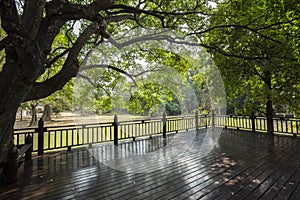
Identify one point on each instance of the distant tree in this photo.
(258, 54)
(33, 111)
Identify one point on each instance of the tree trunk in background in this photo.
(33, 121)
(81, 110)
(269, 108)
(47, 113)
(21, 115)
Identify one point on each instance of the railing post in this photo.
(197, 120)
(41, 137)
(164, 120)
(213, 118)
(205, 116)
(253, 121)
(28, 153)
(115, 124)
(294, 134)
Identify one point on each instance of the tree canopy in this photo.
(261, 42)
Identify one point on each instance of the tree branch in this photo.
(257, 72)
(9, 16)
(109, 67)
(32, 16)
(68, 71)
(119, 18)
(60, 11)
(234, 26)
(52, 61)
(155, 13)
(87, 78)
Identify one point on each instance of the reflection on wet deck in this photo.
(213, 164)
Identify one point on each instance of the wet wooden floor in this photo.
(212, 164)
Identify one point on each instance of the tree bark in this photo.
(33, 120)
(47, 113)
(269, 106)
(7, 120)
(270, 125)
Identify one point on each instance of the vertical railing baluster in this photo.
(72, 137)
(61, 138)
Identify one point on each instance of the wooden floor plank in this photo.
(201, 190)
(287, 189)
(238, 165)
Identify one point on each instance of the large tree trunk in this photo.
(47, 113)
(13, 89)
(7, 121)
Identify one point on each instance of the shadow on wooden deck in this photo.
(216, 164)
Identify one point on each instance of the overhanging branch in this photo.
(69, 70)
(109, 67)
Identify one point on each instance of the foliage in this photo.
(260, 48)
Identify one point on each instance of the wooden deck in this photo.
(217, 165)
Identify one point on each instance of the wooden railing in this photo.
(58, 137)
(287, 126)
